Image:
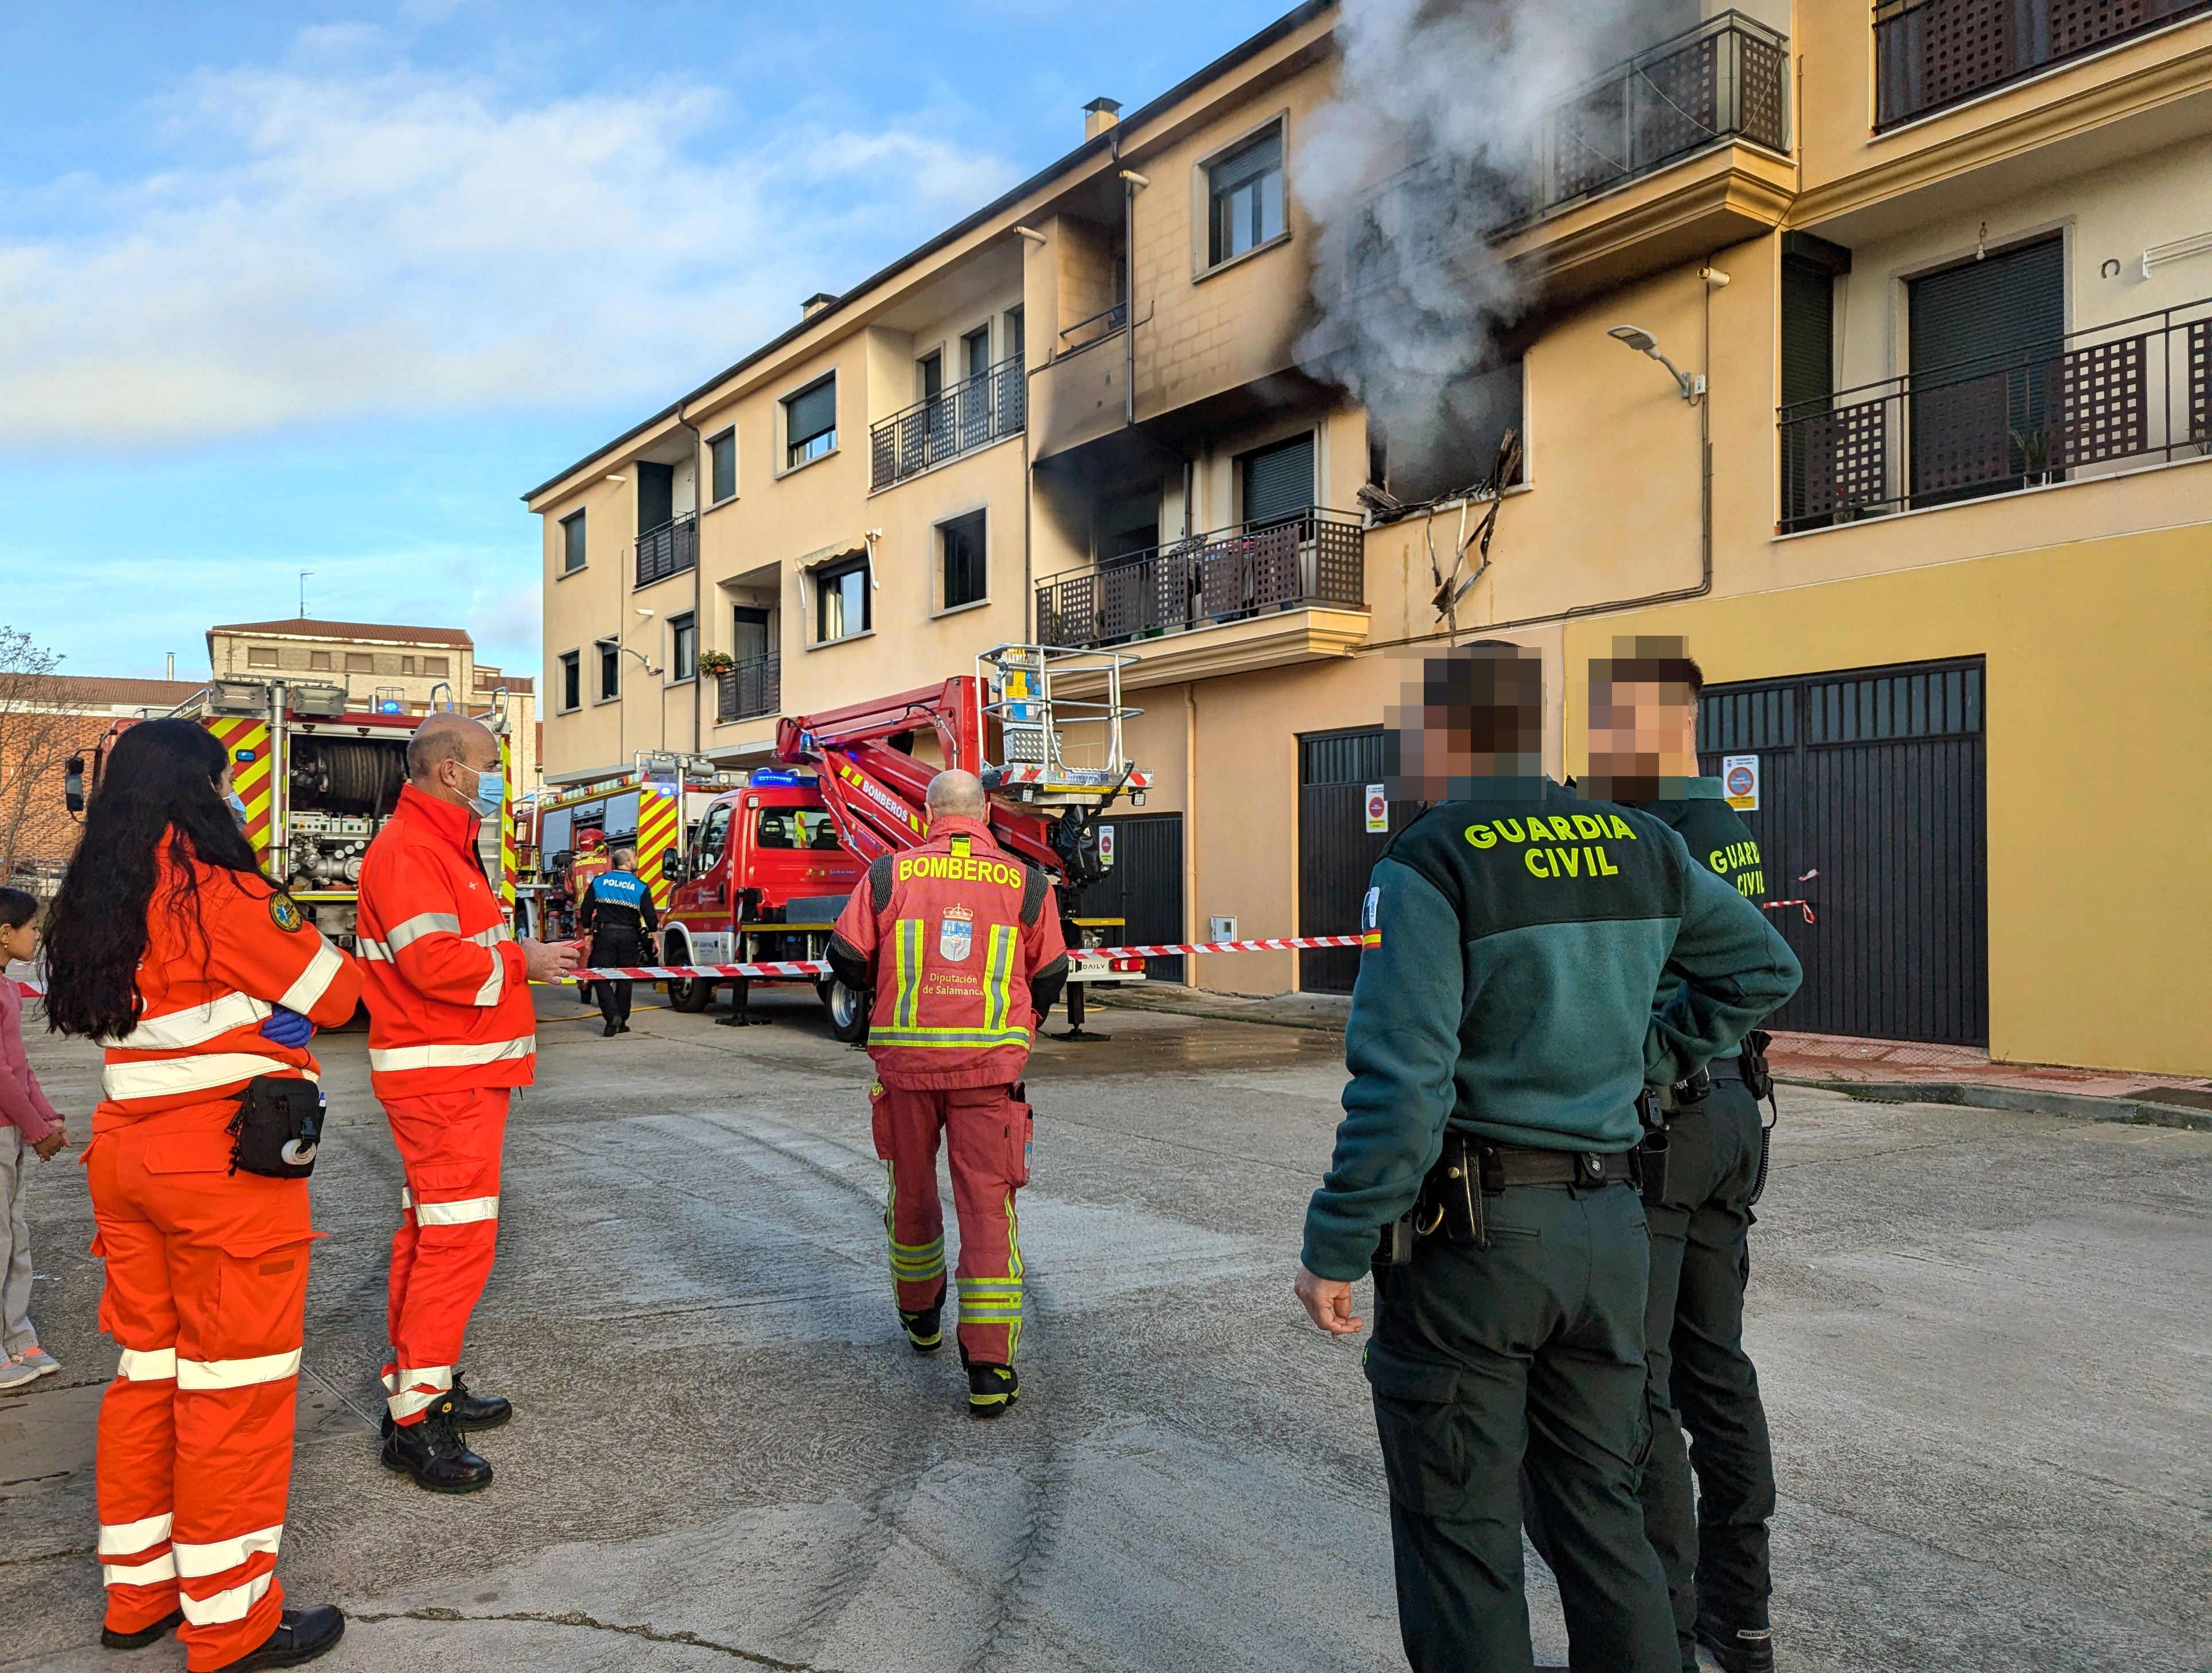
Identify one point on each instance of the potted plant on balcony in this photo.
(716, 662)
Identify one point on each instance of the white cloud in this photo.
(412, 242)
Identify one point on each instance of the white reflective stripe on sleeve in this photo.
(231, 1605)
(148, 1365)
(375, 952)
(462, 1213)
(196, 1563)
(193, 1025)
(201, 1374)
(152, 1572)
(492, 937)
(422, 924)
(394, 1058)
(495, 984)
(120, 1539)
(165, 1077)
(314, 981)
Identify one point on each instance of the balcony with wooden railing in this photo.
(986, 408)
(2112, 397)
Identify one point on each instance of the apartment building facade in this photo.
(1928, 497)
(382, 664)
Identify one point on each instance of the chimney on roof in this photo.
(814, 304)
(1099, 115)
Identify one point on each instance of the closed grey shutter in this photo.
(1279, 479)
(2006, 310)
(814, 412)
(1808, 333)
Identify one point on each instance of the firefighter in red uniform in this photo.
(451, 1033)
(205, 981)
(961, 948)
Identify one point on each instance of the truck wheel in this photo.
(849, 1011)
(693, 993)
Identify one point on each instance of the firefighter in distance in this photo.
(960, 946)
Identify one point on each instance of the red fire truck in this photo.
(770, 867)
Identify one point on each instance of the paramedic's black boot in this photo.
(301, 1635)
(991, 1389)
(145, 1635)
(434, 1453)
(1739, 1649)
(478, 1411)
(925, 1329)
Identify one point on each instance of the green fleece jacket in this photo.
(1513, 946)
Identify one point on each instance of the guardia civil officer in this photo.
(1713, 1544)
(1501, 1037)
(619, 916)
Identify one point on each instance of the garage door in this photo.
(1336, 850)
(1876, 778)
(1144, 884)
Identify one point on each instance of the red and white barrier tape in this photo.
(815, 967)
(1804, 906)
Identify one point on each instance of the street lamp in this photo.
(1635, 336)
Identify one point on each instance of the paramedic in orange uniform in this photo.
(452, 1033)
(961, 946)
(169, 945)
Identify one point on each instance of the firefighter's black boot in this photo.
(991, 1389)
(478, 1411)
(434, 1453)
(1739, 1649)
(301, 1635)
(924, 1327)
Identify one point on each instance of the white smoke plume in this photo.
(1442, 127)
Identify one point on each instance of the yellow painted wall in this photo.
(2099, 787)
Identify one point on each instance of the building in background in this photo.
(380, 666)
(43, 723)
(1929, 496)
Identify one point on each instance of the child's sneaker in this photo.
(39, 1360)
(16, 1375)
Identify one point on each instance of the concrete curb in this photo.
(2025, 1099)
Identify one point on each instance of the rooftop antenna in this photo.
(304, 574)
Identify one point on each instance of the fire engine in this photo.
(319, 776)
(652, 808)
(770, 867)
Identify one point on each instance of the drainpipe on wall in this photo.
(698, 559)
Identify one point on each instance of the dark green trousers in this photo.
(1528, 1350)
(1711, 1541)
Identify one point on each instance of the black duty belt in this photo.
(1451, 1205)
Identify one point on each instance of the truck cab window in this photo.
(712, 836)
(773, 829)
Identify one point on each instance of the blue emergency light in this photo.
(388, 708)
(772, 778)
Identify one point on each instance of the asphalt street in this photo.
(1983, 1337)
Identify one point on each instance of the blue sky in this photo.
(326, 287)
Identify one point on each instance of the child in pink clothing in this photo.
(27, 1122)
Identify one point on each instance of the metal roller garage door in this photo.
(1144, 884)
(1336, 850)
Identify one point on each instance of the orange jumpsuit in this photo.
(451, 1031)
(964, 928)
(207, 1269)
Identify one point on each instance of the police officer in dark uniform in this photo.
(617, 912)
(1713, 1543)
(1501, 1038)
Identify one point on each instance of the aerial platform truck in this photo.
(1041, 727)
